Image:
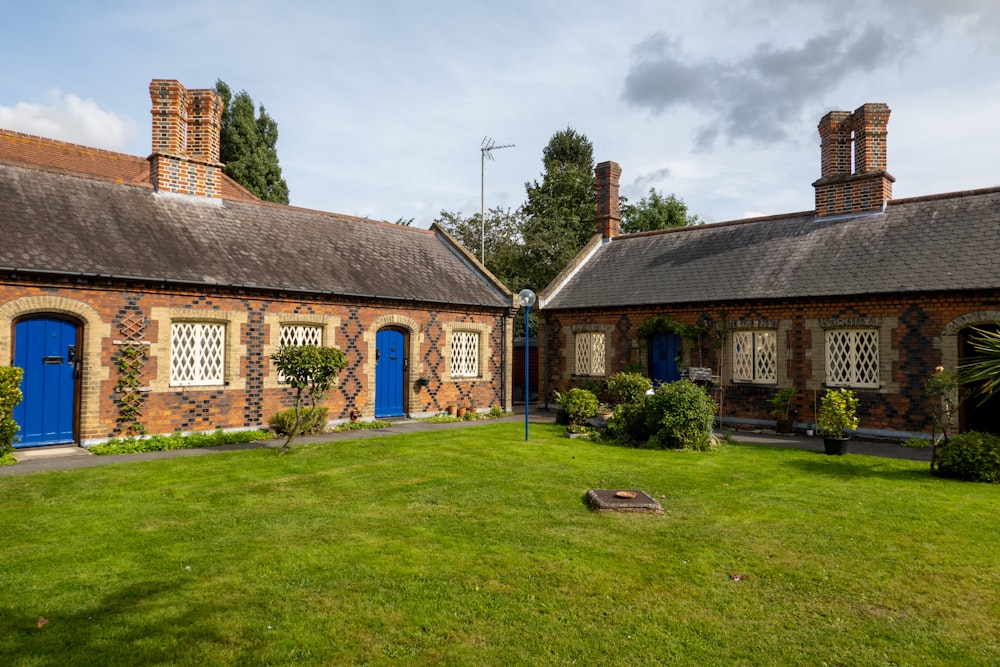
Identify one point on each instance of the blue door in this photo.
(390, 362)
(46, 348)
(664, 348)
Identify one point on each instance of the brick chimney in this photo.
(609, 218)
(840, 190)
(186, 131)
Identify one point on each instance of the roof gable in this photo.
(50, 154)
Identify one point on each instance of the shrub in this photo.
(10, 396)
(283, 422)
(579, 404)
(628, 387)
(971, 456)
(838, 412)
(678, 415)
(160, 443)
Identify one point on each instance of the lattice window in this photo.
(755, 356)
(465, 354)
(852, 358)
(197, 353)
(590, 353)
(297, 334)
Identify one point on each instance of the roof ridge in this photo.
(721, 223)
(87, 150)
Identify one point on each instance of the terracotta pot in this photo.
(461, 412)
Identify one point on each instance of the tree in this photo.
(503, 240)
(559, 212)
(403, 222)
(247, 146)
(655, 212)
(311, 370)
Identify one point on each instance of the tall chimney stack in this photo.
(609, 219)
(839, 190)
(187, 126)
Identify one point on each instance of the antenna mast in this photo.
(486, 149)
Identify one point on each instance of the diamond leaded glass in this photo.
(197, 353)
(852, 358)
(755, 356)
(296, 334)
(590, 353)
(464, 354)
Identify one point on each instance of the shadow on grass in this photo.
(141, 624)
(859, 466)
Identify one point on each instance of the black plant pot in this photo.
(835, 446)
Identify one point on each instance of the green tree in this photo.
(247, 146)
(403, 222)
(559, 212)
(311, 370)
(503, 240)
(655, 212)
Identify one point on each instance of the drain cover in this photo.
(622, 500)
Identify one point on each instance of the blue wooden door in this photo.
(664, 348)
(390, 362)
(46, 348)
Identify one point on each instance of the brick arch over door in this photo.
(415, 365)
(949, 341)
(92, 371)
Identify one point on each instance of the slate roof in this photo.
(31, 151)
(62, 223)
(943, 242)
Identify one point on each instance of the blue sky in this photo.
(382, 105)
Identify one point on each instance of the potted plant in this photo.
(782, 409)
(838, 413)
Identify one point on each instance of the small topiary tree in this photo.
(628, 387)
(311, 370)
(10, 396)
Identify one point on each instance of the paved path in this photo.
(64, 458)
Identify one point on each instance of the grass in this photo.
(475, 547)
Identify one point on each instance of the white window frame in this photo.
(591, 348)
(760, 357)
(205, 374)
(297, 335)
(465, 354)
(856, 370)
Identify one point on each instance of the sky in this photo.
(383, 105)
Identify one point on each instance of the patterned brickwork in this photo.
(112, 311)
(917, 333)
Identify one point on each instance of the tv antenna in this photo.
(486, 149)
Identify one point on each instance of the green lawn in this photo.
(472, 547)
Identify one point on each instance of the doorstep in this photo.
(50, 452)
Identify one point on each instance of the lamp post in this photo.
(527, 299)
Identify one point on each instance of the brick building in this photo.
(148, 294)
(865, 292)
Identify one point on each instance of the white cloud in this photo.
(70, 118)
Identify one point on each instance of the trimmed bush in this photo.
(579, 404)
(10, 396)
(971, 456)
(679, 415)
(283, 422)
(628, 387)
